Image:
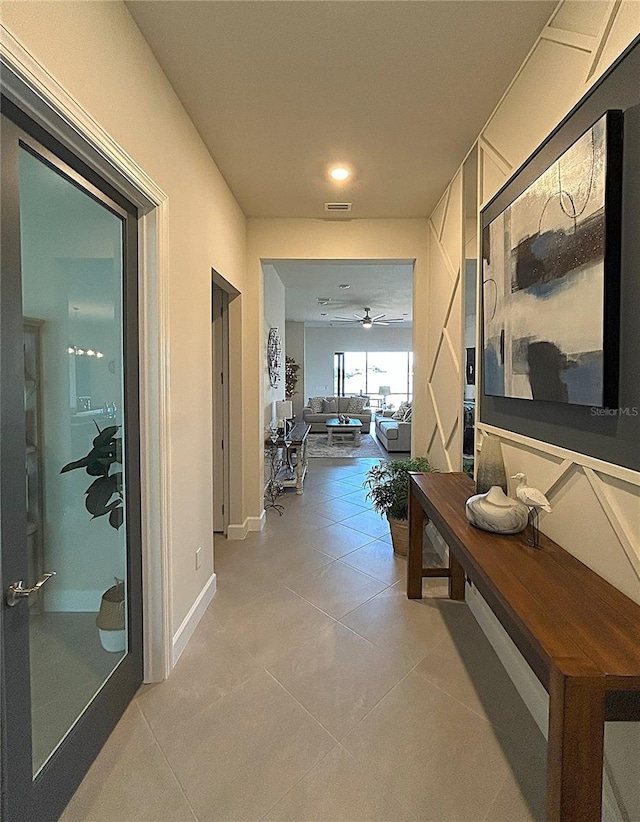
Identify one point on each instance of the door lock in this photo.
(17, 591)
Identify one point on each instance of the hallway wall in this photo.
(96, 52)
(580, 42)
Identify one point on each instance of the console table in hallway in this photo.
(579, 634)
(290, 475)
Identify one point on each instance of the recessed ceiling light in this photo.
(339, 173)
(344, 286)
(323, 314)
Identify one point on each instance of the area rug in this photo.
(317, 446)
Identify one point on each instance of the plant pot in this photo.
(111, 619)
(399, 536)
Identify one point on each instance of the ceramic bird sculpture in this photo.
(529, 495)
(534, 500)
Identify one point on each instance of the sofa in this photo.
(393, 435)
(318, 419)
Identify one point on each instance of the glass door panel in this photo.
(72, 272)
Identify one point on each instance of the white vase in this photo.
(496, 512)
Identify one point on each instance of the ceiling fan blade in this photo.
(343, 320)
(378, 317)
(358, 317)
(380, 322)
(395, 320)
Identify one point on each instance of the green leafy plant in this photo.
(291, 376)
(388, 484)
(106, 451)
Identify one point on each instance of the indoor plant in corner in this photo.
(104, 496)
(388, 484)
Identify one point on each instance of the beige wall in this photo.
(319, 239)
(98, 55)
(580, 42)
(322, 343)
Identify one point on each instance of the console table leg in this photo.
(414, 554)
(575, 748)
(456, 578)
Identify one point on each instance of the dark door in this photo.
(69, 475)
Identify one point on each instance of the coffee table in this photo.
(339, 431)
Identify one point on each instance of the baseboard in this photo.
(250, 524)
(237, 531)
(257, 523)
(190, 622)
(533, 693)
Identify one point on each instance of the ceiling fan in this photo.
(367, 321)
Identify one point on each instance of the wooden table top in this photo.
(559, 611)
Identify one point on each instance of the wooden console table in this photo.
(579, 634)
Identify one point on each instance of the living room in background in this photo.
(366, 372)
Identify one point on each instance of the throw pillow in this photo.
(399, 414)
(356, 404)
(329, 406)
(315, 404)
(407, 415)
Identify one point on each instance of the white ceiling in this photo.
(384, 286)
(397, 90)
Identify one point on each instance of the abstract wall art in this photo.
(551, 264)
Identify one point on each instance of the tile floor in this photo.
(314, 690)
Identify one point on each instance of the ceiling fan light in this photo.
(367, 324)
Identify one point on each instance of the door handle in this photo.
(17, 591)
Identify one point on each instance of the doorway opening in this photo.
(222, 293)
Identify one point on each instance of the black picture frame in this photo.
(522, 182)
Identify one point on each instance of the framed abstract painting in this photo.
(551, 275)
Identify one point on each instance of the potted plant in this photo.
(107, 450)
(104, 497)
(388, 484)
(291, 377)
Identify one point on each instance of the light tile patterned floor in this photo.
(314, 690)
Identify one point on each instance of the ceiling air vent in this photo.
(337, 206)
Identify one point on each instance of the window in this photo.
(365, 372)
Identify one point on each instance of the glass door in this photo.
(70, 469)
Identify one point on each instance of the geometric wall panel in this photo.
(579, 522)
(521, 122)
(580, 16)
(493, 177)
(446, 391)
(454, 323)
(437, 218)
(626, 25)
(451, 231)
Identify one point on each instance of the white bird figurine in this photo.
(534, 500)
(530, 495)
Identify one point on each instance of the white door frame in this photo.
(29, 85)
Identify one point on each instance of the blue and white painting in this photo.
(543, 282)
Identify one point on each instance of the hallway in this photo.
(314, 690)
